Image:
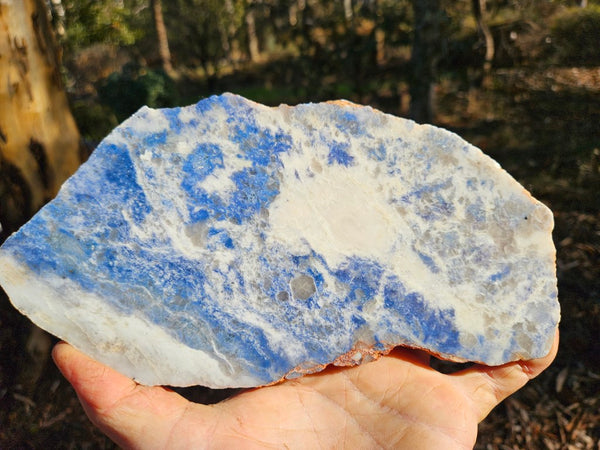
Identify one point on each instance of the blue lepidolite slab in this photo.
(232, 244)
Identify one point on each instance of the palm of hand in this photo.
(395, 402)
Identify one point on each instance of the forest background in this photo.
(518, 78)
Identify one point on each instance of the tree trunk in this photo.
(479, 11)
(380, 57)
(252, 37)
(227, 33)
(379, 33)
(161, 35)
(348, 13)
(39, 141)
(58, 16)
(424, 59)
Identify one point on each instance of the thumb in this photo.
(487, 386)
(132, 415)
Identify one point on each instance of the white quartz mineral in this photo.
(232, 244)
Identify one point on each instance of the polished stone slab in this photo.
(231, 244)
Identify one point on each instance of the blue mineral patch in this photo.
(154, 139)
(426, 323)
(338, 154)
(201, 163)
(175, 123)
(360, 275)
(476, 211)
(120, 173)
(498, 276)
(349, 123)
(378, 153)
(256, 188)
(428, 261)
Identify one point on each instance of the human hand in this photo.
(398, 401)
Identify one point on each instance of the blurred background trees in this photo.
(312, 49)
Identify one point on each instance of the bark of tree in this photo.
(227, 32)
(253, 47)
(424, 59)
(380, 57)
(39, 142)
(379, 34)
(348, 13)
(58, 16)
(479, 11)
(162, 38)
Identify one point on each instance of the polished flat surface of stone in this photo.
(232, 244)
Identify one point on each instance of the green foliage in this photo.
(126, 91)
(202, 31)
(93, 120)
(113, 22)
(576, 36)
(396, 20)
